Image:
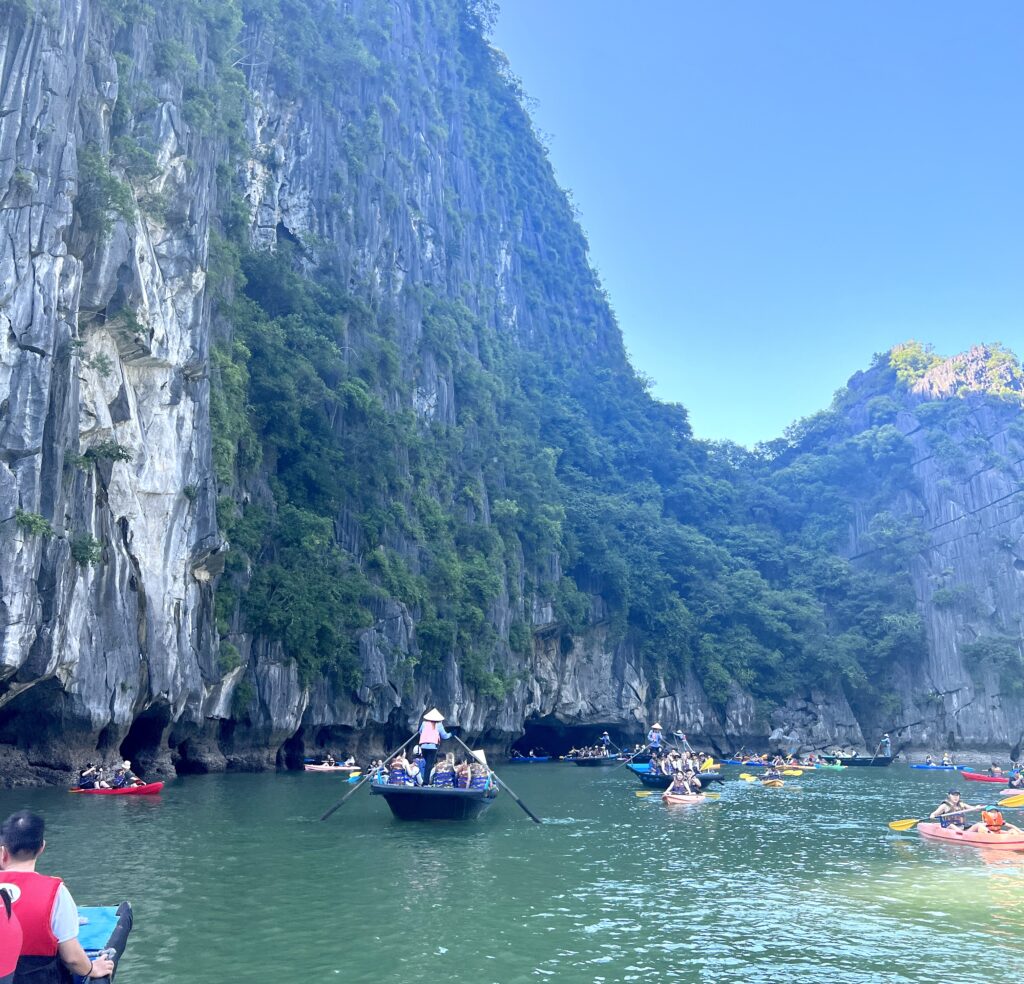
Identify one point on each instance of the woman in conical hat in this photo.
(654, 737)
(431, 734)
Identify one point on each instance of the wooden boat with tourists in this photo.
(660, 781)
(875, 760)
(408, 801)
(598, 761)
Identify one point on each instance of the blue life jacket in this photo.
(398, 777)
(445, 779)
(480, 782)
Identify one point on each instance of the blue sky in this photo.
(775, 191)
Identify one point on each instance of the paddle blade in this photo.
(792, 772)
(747, 777)
(640, 793)
(1016, 800)
(903, 824)
(712, 796)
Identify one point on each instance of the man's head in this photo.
(21, 837)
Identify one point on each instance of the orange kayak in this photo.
(150, 789)
(1009, 841)
(683, 797)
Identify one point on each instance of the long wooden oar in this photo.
(503, 785)
(909, 824)
(387, 758)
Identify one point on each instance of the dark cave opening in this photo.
(143, 746)
(549, 736)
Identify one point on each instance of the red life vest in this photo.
(36, 897)
(10, 941)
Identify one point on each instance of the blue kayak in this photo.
(941, 768)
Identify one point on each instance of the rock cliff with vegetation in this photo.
(313, 413)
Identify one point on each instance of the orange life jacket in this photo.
(993, 820)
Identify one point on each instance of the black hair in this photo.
(22, 833)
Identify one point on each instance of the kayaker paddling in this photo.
(950, 812)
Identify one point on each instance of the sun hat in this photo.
(655, 727)
(433, 715)
(126, 764)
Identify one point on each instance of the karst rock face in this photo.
(122, 156)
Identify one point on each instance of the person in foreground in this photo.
(44, 907)
(950, 812)
(10, 938)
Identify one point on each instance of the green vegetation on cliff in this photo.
(478, 456)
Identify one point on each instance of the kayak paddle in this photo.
(792, 772)
(747, 777)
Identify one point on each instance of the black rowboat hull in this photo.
(599, 761)
(878, 760)
(430, 803)
(663, 782)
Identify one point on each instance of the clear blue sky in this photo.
(775, 191)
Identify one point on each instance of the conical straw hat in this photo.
(481, 756)
(433, 715)
(655, 727)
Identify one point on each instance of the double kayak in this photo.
(149, 789)
(773, 783)
(1008, 841)
(332, 768)
(981, 777)
(941, 768)
(682, 798)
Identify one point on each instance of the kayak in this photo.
(773, 783)
(976, 838)
(150, 789)
(1011, 792)
(979, 777)
(104, 928)
(682, 798)
(941, 768)
(332, 768)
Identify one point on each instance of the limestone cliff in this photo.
(313, 413)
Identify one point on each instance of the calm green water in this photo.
(233, 879)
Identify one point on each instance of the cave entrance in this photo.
(549, 736)
(143, 746)
(292, 754)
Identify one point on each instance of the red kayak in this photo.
(150, 789)
(1008, 841)
(980, 777)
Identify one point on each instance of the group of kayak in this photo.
(119, 780)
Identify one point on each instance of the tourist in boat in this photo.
(946, 759)
(1016, 780)
(950, 812)
(350, 761)
(771, 773)
(45, 909)
(420, 764)
(87, 777)
(994, 770)
(443, 774)
(928, 760)
(885, 747)
(399, 772)
(124, 776)
(654, 739)
(993, 822)
(413, 769)
(479, 776)
(431, 734)
(329, 760)
(462, 774)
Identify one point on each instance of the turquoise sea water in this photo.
(234, 879)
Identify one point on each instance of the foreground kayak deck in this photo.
(974, 838)
(332, 768)
(150, 789)
(104, 928)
